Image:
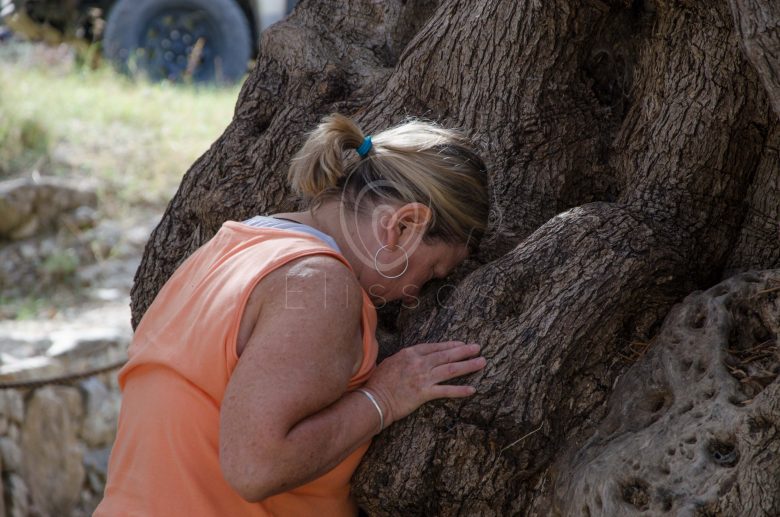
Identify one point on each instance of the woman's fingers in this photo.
(405, 380)
(451, 355)
(430, 348)
(448, 371)
(454, 361)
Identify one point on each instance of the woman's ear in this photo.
(413, 216)
(407, 223)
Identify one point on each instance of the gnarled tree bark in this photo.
(692, 427)
(758, 26)
(633, 157)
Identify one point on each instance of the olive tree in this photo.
(624, 295)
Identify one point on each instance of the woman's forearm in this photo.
(285, 459)
(312, 447)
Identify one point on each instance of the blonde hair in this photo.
(413, 162)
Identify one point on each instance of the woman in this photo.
(251, 387)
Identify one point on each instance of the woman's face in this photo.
(426, 261)
(393, 244)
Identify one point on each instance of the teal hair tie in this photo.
(364, 147)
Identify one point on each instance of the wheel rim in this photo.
(173, 38)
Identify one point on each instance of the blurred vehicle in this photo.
(199, 40)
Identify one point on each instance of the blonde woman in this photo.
(252, 387)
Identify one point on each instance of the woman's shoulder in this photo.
(314, 287)
(314, 279)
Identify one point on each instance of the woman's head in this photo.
(414, 162)
(426, 172)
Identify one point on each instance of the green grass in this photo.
(24, 308)
(135, 138)
(23, 141)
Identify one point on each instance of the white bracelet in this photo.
(376, 405)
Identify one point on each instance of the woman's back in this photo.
(182, 356)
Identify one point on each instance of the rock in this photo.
(12, 405)
(29, 205)
(138, 235)
(52, 455)
(14, 348)
(89, 501)
(109, 233)
(11, 455)
(2, 502)
(81, 218)
(79, 342)
(96, 465)
(116, 274)
(30, 266)
(18, 498)
(17, 352)
(102, 412)
(70, 348)
(72, 400)
(17, 369)
(83, 252)
(14, 432)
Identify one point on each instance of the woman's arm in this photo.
(286, 418)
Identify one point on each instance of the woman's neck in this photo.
(344, 229)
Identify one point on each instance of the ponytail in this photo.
(415, 161)
(319, 165)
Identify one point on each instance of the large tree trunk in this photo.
(633, 155)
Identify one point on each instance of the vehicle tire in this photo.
(205, 40)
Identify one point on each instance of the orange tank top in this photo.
(165, 460)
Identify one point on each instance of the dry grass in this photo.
(136, 139)
(132, 139)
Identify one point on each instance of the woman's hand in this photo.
(412, 377)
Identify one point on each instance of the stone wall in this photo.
(54, 446)
(55, 439)
(56, 249)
